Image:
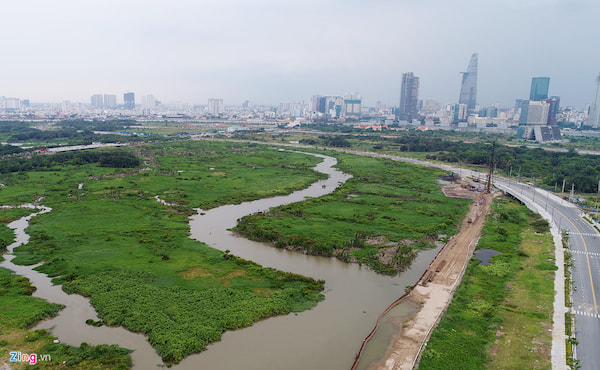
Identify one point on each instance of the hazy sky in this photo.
(272, 51)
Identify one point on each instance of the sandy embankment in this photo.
(433, 293)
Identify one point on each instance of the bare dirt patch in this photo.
(459, 191)
(234, 273)
(377, 240)
(197, 271)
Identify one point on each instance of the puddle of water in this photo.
(485, 255)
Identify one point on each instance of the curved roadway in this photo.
(584, 245)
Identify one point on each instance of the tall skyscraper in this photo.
(468, 88)
(129, 99)
(409, 97)
(594, 119)
(539, 88)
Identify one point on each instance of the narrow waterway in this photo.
(326, 337)
(69, 326)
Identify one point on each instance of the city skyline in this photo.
(270, 52)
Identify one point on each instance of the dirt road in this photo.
(433, 293)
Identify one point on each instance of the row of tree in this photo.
(110, 158)
(545, 166)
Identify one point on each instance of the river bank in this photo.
(321, 337)
(433, 293)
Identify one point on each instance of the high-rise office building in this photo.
(409, 97)
(129, 99)
(594, 119)
(468, 88)
(539, 88)
(97, 101)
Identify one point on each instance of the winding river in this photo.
(326, 337)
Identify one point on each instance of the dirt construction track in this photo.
(433, 292)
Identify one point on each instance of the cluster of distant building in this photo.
(109, 101)
(535, 118)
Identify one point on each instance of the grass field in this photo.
(500, 314)
(112, 241)
(379, 217)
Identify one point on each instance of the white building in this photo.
(215, 106)
(12, 104)
(537, 113)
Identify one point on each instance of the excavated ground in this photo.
(433, 293)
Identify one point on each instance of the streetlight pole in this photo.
(596, 208)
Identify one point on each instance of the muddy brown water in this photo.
(325, 337)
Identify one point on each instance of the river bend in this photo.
(326, 337)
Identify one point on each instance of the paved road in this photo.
(584, 245)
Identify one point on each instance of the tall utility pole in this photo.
(489, 179)
(596, 208)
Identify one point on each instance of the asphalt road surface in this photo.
(584, 245)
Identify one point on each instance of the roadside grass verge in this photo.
(378, 218)
(501, 313)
